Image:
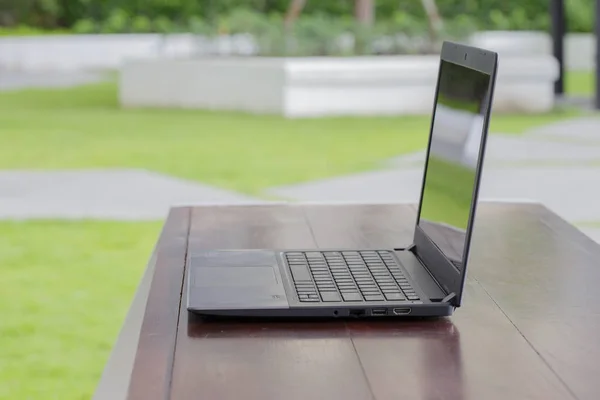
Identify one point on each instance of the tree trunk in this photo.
(364, 11)
(435, 21)
(293, 12)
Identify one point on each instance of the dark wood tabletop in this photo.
(529, 327)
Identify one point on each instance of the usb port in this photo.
(378, 311)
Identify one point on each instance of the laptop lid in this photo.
(459, 126)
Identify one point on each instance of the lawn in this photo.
(84, 128)
(70, 283)
(66, 288)
(580, 83)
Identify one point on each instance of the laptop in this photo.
(425, 279)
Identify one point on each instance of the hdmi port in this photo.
(378, 311)
(401, 311)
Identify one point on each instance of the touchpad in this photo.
(235, 276)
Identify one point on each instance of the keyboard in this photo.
(348, 276)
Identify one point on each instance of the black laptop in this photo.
(425, 279)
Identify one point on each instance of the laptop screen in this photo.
(456, 140)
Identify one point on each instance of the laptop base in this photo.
(261, 283)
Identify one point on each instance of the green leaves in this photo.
(407, 16)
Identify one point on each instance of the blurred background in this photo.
(113, 111)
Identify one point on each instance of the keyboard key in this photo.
(319, 264)
(374, 297)
(375, 264)
(394, 296)
(368, 288)
(379, 271)
(370, 291)
(412, 297)
(330, 296)
(352, 296)
(387, 285)
(296, 263)
(349, 290)
(366, 284)
(300, 273)
(325, 283)
(326, 286)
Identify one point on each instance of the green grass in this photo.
(580, 83)
(587, 224)
(66, 288)
(25, 30)
(84, 128)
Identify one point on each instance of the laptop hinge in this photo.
(449, 299)
(450, 296)
(409, 248)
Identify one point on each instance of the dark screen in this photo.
(456, 140)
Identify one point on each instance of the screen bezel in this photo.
(448, 276)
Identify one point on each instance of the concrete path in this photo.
(102, 194)
(533, 149)
(593, 233)
(559, 188)
(580, 130)
(557, 165)
(16, 80)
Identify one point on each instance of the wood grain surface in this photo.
(529, 327)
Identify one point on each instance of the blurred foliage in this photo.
(325, 27)
(151, 15)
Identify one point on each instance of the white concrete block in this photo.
(580, 50)
(312, 87)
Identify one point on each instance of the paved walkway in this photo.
(16, 80)
(557, 165)
(102, 194)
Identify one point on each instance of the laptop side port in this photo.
(357, 312)
(401, 311)
(379, 311)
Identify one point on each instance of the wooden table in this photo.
(529, 327)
